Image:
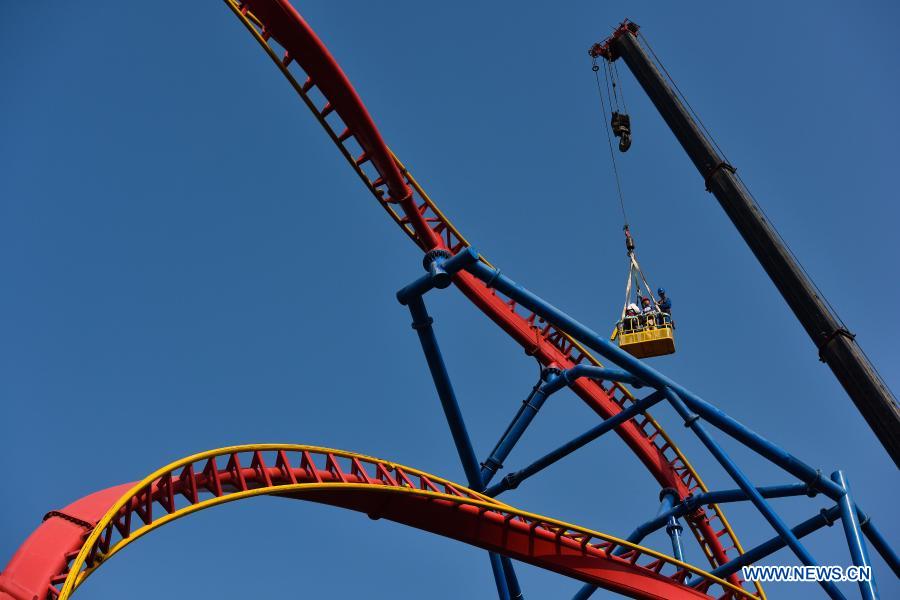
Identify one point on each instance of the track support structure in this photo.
(695, 412)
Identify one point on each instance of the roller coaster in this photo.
(73, 542)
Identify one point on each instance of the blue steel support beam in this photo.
(551, 384)
(773, 545)
(422, 324)
(692, 421)
(512, 582)
(673, 528)
(772, 491)
(878, 542)
(651, 377)
(499, 576)
(585, 592)
(691, 503)
(513, 480)
(526, 413)
(855, 540)
(667, 498)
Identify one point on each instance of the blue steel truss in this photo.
(695, 411)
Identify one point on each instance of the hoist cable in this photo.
(611, 80)
(681, 96)
(712, 140)
(612, 154)
(615, 67)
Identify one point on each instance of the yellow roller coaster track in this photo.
(199, 482)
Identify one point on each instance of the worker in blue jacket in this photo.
(665, 303)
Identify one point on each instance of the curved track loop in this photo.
(364, 484)
(302, 57)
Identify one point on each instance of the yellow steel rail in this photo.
(79, 572)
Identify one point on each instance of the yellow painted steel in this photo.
(77, 574)
(249, 21)
(648, 342)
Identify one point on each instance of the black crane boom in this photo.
(837, 347)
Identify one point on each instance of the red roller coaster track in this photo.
(46, 558)
(72, 543)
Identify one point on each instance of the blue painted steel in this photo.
(422, 324)
(762, 446)
(585, 592)
(499, 576)
(526, 413)
(691, 503)
(667, 497)
(670, 498)
(651, 377)
(513, 480)
(738, 476)
(689, 406)
(855, 540)
(772, 545)
(512, 582)
(437, 274)
(674, 530)
(772, 491)
(878, 542)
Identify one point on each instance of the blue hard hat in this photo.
(660, 292)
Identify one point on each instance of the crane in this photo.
(837, 346)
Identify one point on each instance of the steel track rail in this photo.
(379, 488)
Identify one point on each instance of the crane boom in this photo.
(837, 347)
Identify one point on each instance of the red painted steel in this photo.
(41, 564)
(39, 561)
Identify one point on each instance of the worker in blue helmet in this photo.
(665, 303)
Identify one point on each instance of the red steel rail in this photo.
(73, 543)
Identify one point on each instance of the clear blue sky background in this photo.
(188, 263)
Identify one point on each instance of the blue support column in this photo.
(855, 540)
(879, 543)
(439, 273)
(499, 576)
(422, 324)
(526, 413)
(585, 592)
(512, 582)
(668, 497)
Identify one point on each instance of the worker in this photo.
(648, 313)
(665, 307)
(630, 322)
(665, 303)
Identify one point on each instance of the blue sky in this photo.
(188, 263)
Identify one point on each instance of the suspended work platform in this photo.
(649, 340)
